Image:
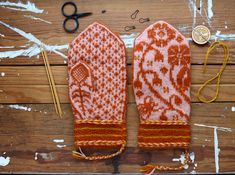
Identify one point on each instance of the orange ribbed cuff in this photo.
(162, 135)
(99, 135)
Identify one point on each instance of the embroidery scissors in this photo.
(72, 17)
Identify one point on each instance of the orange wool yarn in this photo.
(98, 91)
(161, 82)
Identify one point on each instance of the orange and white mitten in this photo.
(98, 91)
(161, 81)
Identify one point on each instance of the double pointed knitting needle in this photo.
(55, 97)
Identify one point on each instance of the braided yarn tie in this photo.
(81, 155)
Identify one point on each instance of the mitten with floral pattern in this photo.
(161, 81)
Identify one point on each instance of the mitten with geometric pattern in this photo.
(98, 91)
(161, 81)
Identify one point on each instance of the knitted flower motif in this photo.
(162, 34)
(139, 47)
(147, 107)
(178, 54)
(137, 84)
(158, 56)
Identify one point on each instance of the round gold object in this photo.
(201, 34)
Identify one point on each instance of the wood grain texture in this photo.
(42, 93)
(34, 131)
(117, 17)
(27, 136)
(36, 75)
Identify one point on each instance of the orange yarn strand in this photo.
(149, 169)
(82, 156)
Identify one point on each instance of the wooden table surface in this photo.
(34, 139)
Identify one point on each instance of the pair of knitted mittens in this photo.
(98, 89)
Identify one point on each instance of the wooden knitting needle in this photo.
(55, 97)
(53, 86)
(54, 92)
(49, 79)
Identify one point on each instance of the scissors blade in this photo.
(80, 15)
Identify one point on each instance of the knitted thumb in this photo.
(161, 84)
(97, 91)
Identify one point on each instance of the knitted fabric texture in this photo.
(98, 88)
(161, 81)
